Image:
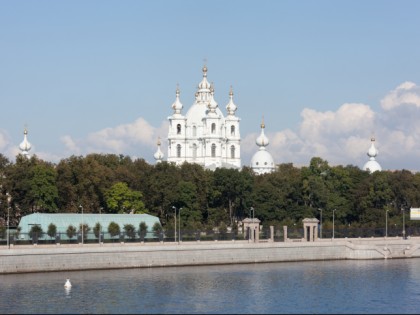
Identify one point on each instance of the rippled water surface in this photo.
(379, 286)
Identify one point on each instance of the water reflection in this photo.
(67, 291)
(296, 287)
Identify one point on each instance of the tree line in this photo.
(202, 198)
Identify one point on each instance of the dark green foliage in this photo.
(130, 230)
(52, 230)
(3, 230)
(222, 229)
(157, 228)
(116, 183)
(71, 231)
(36, 231)
(142, 229)
(97, 229)
(113, 229)
(86, 230)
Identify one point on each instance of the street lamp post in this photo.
(320, 226)
(333, 222)
(173, 207)
(100, 224)
(83, 227)
(179, 223)
(386, 223)
(8, 219)
(253, 227)
(8, 226)
(403, 232)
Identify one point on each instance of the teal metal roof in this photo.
(63, 220)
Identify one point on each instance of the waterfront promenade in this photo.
(42, 258)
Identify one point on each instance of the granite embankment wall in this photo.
(42, 258)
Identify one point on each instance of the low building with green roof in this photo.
(63, 220)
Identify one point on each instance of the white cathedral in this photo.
(204, 135)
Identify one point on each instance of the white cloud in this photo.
(4, 141)
(407, 93)
(137, 139)
(71, 145)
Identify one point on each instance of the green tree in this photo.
(223, 230)
(157, 229)
(3, 231)
(113, 229)
(36, 231)
(231, 190)
(43, 190)
(160, 192)
(97, 229)
(86, 230)
(142, 230)
(130, 230)
(120, 199)
(71, 231)
(52, 230)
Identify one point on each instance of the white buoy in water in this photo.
(67, 284)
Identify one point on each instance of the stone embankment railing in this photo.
(29, 258)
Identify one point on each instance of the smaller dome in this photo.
(262, 140)
(262, 162)
(177, 105)
(231, 107)
(213, 104)
(372, 150)
(159, 154)
(25, 146)
(204, 84)
(372, 166)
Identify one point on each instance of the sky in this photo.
(100, 76)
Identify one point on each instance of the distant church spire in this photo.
(372, 165)
(262, 162)
(159, 154)
(25, 146)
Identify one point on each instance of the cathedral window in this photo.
(178, 129)
(178, 150)
(213, 128)
(232, 130)
(194, 131)
(232, 152)
(213, 150)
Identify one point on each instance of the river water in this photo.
(348, 286)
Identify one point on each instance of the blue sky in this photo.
(100, 76)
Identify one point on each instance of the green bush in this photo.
(143, 230)
(96, 229)
(52, 230)
(71, 231)
(113, 229)
(86, 230)
(3, 231)
(36, 231)
(130, 230)
(157, 229)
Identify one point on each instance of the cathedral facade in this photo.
(204, 135)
